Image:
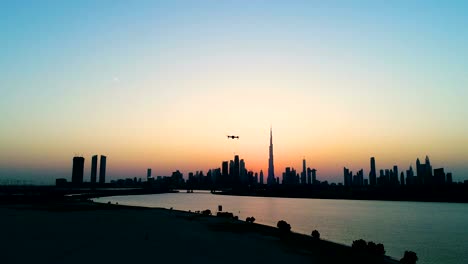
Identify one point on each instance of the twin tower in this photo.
(78, 170)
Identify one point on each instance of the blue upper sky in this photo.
(71, 70)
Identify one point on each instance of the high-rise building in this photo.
(309, 176)
(78, 170)
(347, 175)
(424, 172)
(216, 176)
(102, 170)
(236, 171)
(372, 173)
(224, 168)
(231, 172)
(428, 171)
(395, 175)
(303, 174)
(94, 165)
(148, 173)
(225, 173)
(243, 176)
(388, 174)
(261, 176)
(271, 168)
(410, 176)
(419, 172)
(439, 176)
(314, 176)
(358, 179)
(290, 176)
(449, 178)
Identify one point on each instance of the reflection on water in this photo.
(435, 231)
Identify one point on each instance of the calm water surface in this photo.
(437, 232)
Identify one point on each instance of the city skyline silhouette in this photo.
(274, 179)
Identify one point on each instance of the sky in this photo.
(159, 84)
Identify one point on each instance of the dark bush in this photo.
(380, 249)
(375, 249)
(250, 219)
(315, 235)
(359, 244)
(225, 214)
(206, 212)
(372, 248)
(409, 258)
(283, 226)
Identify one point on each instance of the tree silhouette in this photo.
(409, 258)
(315, 235)
(380, 249)
(359, 244)
(250, 219)
(206, 212)
(283, 226)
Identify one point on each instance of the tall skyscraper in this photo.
(348, 177)
(372, 173)
(419, 172)
(102, 170)
(271, 168)
(236, 173)
(243, 178)
(410, 176)
(224, 168)
(290, 176)
(261, 177)
(449, 178)
(428, 172)
(424, 171)
(148, 173)
(314, 176)
(395, 175)
(304, 173)
(78, 170)
(231, 172)
(93, 169)
(439, 176)
(225, 173)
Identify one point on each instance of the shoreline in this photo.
(341, 197)
(186, 228)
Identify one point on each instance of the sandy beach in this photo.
(97, 233)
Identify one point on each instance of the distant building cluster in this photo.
(308, 176)
(425, 175)
(354, 180)
(78, 172)
(231, 174)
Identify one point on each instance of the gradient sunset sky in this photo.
(159, 84)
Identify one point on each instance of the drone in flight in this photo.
(233, 137)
